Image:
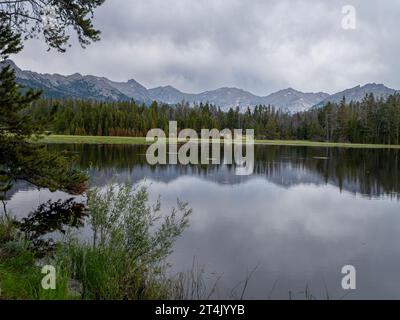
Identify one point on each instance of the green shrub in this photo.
(126, 258)
(7, 229)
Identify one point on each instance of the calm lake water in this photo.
(302, 216)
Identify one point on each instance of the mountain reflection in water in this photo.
(303, 215)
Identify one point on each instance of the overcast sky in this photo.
(257, 45)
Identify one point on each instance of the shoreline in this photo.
(69, 139)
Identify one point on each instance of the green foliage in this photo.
(19, 277)
(121, 217)
(12, 102)
(7, 230)
(10, 42)
(19, 159)
(31, 18)
(370, 121)
(59, 216)
(20, 274)
(125, 260)
(131, 241)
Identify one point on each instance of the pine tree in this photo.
(342, 121)
(19, 158)
(52, 19)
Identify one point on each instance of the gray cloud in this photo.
(257, 45)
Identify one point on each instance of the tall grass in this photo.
(124, 259)
(20, 271)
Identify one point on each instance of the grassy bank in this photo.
(139, 140)
(298, 143)
(124, 259)
(93, 140)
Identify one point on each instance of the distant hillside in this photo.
(103, 89)
(78, 86)
(289, 99)
(358, 93)
(293, 100)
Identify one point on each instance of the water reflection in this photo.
(371, 172)
(299, 236)
(302, 215)
(50, 219)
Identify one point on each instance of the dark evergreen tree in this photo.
(53, 19)
(19, 158)
(369, 121)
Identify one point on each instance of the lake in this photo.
(289, 228)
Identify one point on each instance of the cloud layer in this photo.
(257, 45)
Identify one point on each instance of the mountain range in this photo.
(101, 88)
